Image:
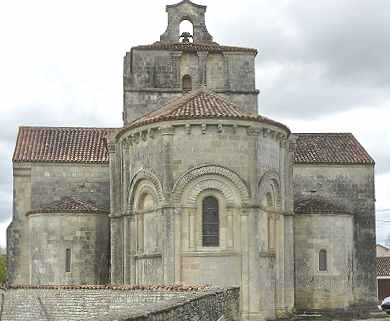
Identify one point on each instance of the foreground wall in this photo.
(94, 303)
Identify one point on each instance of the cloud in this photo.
(316, 57)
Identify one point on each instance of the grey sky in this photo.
(322, 66)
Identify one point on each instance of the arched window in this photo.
(322, 260)
(186, 30)
(187, 83)
(210, 221)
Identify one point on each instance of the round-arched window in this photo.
(322, 260)
(187, 83)
(210, 221)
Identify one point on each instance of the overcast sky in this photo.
(323, 66)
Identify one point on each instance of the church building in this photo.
(197, 187)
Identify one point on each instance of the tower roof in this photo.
(200, 104)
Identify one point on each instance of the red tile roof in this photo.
(62, 144)
(200, 104)
(383, 266)
(330, 148)
(193, 47)
(69, 205)
(317, 205)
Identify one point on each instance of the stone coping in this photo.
(167, 288)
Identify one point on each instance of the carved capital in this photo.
(111, 147)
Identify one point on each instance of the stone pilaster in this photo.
(116, 220)
(202, 55)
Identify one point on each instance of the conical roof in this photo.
(200, 104)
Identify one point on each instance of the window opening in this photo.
(187, 83)
(210, 221)
(322, 260)
(68, 257)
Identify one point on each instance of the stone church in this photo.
(196, 188)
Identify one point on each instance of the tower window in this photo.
(322, 260)
(187, 83)
(68, 258)
(210, 222)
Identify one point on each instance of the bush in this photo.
(3, 269)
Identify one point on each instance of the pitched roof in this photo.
(383, 266)
(200, 104)
(62, 145)
(69, 205)
(194, 47)
(330, 148)
(318, 205)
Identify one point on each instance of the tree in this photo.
(3, 268)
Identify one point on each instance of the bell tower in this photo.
(186, 10)
(157, 73)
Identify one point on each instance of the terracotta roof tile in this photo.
(69, 205)
(334, 148)
(383, 266)
(317, 205)
(200, 104)
(193, 47)
(62, 144)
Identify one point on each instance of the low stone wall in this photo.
(101, 303)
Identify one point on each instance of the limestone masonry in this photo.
(195, 188)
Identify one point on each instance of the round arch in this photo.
(269, 192)
(211, 177)
(145, 180)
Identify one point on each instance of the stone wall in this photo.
(51, 182)
(37, 184)
(106, 304)
(84, 234)
(330, 289)
(179, 163)
(351, 187)
(152, 78)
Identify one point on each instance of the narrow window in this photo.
(210, 222)
(322, 260)
(187, 83)
(68, 255)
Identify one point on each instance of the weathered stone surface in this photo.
(352, 187)
(109, 304)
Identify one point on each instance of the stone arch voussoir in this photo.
(270, 179)
(149, 176)
(211, 173)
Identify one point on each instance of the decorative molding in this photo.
(194, 173)
(269, 179)
(210, 184)
(148, 175)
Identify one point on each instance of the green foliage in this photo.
(3, 269)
